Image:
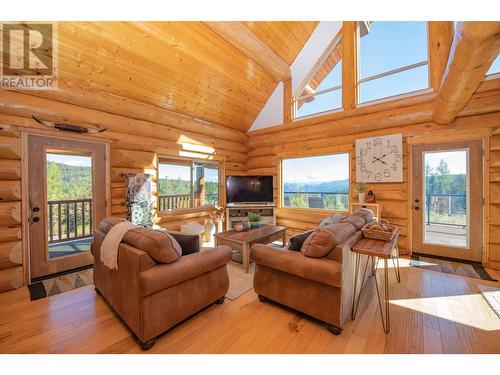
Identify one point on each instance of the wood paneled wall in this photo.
(493, 229)
(136, 144)
(413, 118)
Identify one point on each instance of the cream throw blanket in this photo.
(109, 247)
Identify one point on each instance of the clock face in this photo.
(379, 159)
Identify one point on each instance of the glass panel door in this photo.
(447, 200)
(67, 191)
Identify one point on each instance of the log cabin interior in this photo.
(250, 187)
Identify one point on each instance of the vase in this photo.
(361, 197)
(209, 227)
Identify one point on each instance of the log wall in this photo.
(11, 245)
(135, 151)
(412, 117)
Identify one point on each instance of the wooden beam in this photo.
(82, 96)
(440, 39)
(241, 37)
(349, 65)
(475, 46)
(13, 103)
(287, 102)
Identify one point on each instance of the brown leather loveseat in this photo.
(156, 285)
(317, 278)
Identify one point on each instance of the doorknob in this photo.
(417, 200)
(417, 208)
(36, 209)
(36, 219)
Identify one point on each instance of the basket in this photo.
(376, 234)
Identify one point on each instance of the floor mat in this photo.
(447, 265)
(239, 281)
(60, 284)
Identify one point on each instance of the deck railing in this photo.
(178, 201)
(312, 199)
(69, 220)
(451, 208)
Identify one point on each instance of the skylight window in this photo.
(393, 59)
(323, 89)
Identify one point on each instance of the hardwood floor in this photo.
(431, 312)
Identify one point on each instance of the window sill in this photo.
(185, 211)
(395, 97)
(315, 210)
(492, 76)
(336, 110)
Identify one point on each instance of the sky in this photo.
(495, 67)
(456, 160)
(388, 46)
(316, 169)
(81, 161)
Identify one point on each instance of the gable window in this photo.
(393, 59)
(322, 90)
(187, 184)
(319, 182)
(495, 67)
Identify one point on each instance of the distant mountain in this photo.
(340, 186)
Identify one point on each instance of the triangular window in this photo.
(322, 88)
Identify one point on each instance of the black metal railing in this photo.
(69, 219)
(448, 205)
(179, 201)
(334, 201)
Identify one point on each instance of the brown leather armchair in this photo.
(152, 297)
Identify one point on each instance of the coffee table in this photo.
(244, 240)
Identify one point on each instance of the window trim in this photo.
(189, 162)
(318, 210)
(391, 72)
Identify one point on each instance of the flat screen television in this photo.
(249, 189)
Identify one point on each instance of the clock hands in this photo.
(378, 159)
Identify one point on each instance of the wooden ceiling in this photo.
(181, 66)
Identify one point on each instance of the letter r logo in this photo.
(27, 49)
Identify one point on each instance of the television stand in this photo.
(237, 213)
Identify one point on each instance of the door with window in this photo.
(447, 200)
(67, 199)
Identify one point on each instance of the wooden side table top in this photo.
(250, 235)
(377, 248)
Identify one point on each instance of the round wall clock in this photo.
(380, 159)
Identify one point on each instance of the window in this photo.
(323, 89)
(393, 59)
(320, 182)
(187, 184)
(495, 67)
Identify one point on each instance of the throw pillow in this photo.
(340, 231)
(365, 213)
(159, 245)
(330, 220)
(318, 244)
(297, 241)
(356, 220)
